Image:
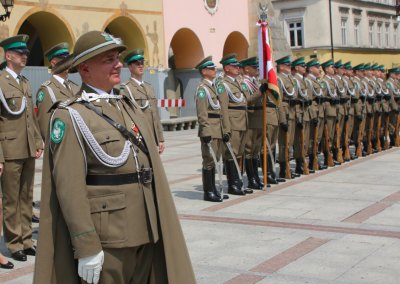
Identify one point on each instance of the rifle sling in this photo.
(125, 132)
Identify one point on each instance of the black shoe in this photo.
(364, 153)
(35, 219)
(322, 167)
(30, 251)
(249, 191)
(235, 185)
(210, 192)
(280, 179)
(271, 180)
(8, 265)
(295, 175)
(311, 171)
(336, 163)
(210, 196)
(19, 255)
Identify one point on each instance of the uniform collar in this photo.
(59, 79)
(137, 81)
(312, 76)
(209, 82)
(101, 92)
(12, 73)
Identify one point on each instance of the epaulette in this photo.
(48, 82)
(64, 104)
(147, 83)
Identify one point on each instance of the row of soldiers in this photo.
(314, 114)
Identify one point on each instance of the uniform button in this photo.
(104, 206)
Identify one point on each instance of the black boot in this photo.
(282, 170)
(299, 167)
(335, 156)
(250, 171)
(392, 140)
(383, 138)
(208, 187)
(271, 173)
(256, 176)
(234, 183)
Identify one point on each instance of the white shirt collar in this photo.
(209, 81)
(59, 79)
(230, 77)
(101, 92)
(12, 73)
(312, 76)
(137, 81)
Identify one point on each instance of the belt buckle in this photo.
(146, 175)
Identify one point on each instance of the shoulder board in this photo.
(147, 83)
(64, 104)
(48, 82)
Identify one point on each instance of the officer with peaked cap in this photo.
(211, 126)
(318, 112)
(20, 146)
(369, 84)
(142, 93)
(234, 105)
(108, 204)
(342, 114)
(290, 114)
(58, 88)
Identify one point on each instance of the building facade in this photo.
(351, 30)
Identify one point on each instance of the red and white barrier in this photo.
(171, 103)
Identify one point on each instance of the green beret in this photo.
(59, 50)
(327, 63)
(299, 61)
(251, 61)
(17, 42)
(338, 64)
(313, 62)
(284, 60)
(136, 55)
(229, 59)
(92, 44)
(205, 63)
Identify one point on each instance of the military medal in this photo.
(135, 130)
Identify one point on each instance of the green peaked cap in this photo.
(135, 55)
(359, 67)
(59, 50)
(15, 42)
(347, 65)
(367, 66)
(205, 63)
(229, 59)
(251, 61)
(298, 61)
(338, 64)
(327, 63)
(284, 60)
(375, 67)
(313, 62)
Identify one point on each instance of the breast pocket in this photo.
(112, 142)
(109, 217)
(14, 100)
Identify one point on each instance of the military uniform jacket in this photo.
(209, 113)
(317, 107)
(45, 100)
(359, 108)
(385, 96)
(394, 92)
(234, 104)
(304, 97)
(78, 219)
(370, 94)
(331, 96)
(288, 88)
(19, 134)
(145, 97)
(341, 91)
(255, 102)
(352, 93)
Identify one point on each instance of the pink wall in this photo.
(232, 15)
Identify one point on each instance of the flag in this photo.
(266, 67)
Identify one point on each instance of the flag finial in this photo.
(263, 12)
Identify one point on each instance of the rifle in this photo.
(386, 146)
(327, 147)
(315, 149)
(359, 139)
(378, 134)
(303, 154)
(369, 135)
(346, 141)
(288, 174)
(338, 147)
(397, 137)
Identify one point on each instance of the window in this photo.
(296, 34)
(386, 35)
(379, 35)
(343, 27)
(357, 39)
(371, 33)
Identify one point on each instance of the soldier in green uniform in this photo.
(107, 213)
(142, 94)
(234, 105)
(289, 114)
(211, 131)
(394, 91)
(370, 110)
(20, 145)
(58, 88)
(378, 108)
(359, 109)
(317, 109)
(331, 107)
(305, 99)
(254, 134)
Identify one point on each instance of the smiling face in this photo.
(102, 71)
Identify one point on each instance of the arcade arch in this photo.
(236, 43)
(187, 49)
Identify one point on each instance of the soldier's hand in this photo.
(263, 88)
(299, 123)
(284, 127)
(89, 268)
(359, 117)
(226, 137)
(38, 153)
(346, 118)
(1, 168)
(206, 139)
(370, 114)
(314, 122)
(161, 147)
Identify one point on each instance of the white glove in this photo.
(89, 268)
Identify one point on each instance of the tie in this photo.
(20, 81)
(66, 84)
(143, 87)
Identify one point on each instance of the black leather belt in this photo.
(334, 101)
(214, 115)
(291, 103)
(343, 100)
(144, 176)
(269, 104)
(386, 97)
(254, 107)
(371, 100)
(319, 100)
(238, 107)
(354, 100)
(363, 98)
